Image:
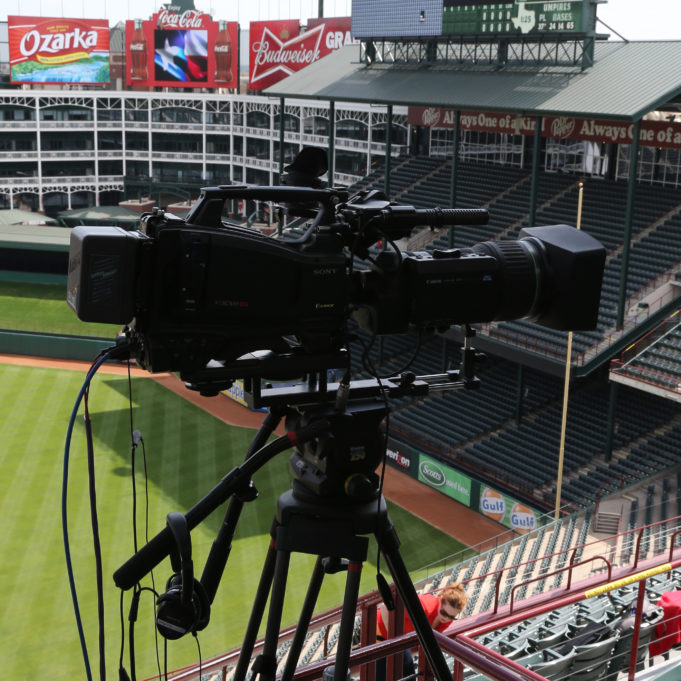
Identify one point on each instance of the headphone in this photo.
(184, 607)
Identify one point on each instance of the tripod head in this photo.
(337, 467)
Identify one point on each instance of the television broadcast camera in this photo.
(216, 302)
(194, 290)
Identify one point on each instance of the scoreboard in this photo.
(435, 18)
(461, 17)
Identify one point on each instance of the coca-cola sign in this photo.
(183, 48)
(190, 18)
(278, 48)
(51, 50)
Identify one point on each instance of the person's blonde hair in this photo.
(455, 596)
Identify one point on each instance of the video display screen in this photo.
(181, 55)
(396, 18)
(432, 18)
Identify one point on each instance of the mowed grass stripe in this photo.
(42, 307)
(188, 452)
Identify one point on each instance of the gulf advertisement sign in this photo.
(279, 48)
(182, 50)
(507, 511)
(56, 50)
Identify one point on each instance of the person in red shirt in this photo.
(441, 609)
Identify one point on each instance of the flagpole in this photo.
(566, 385)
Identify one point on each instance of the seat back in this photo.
(555, 669)
(593, 655)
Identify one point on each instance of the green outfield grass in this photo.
(188, 451)
(43, 308)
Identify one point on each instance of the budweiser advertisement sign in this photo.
(279, 48)
(653, 133)
(181, 49)
(45, 50)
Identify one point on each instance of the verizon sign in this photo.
(278, 48)
(653, 133)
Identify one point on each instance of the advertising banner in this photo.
(507, 511)
(653, 133)
(436, 474)
(181, 50)
(55, 50)
(403, 458)
(278, 48)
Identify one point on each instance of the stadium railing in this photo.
(473, 642)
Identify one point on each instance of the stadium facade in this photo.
(64, 149)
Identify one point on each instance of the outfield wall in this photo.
(54, 346)
(468, 491)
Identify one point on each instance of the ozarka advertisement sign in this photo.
(185, 49)
(278, 48)
(653, 133)
(53, 50)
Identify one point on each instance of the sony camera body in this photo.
(196, 289)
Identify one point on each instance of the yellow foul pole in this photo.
(566, 385)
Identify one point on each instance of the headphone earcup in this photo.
(174, 618)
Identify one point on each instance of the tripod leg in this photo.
(257, 611)
(347, 623)
(304, 621)
(266, 663)
(389, 545)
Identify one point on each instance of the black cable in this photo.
(198, 647)
(121, 670)
(95, 536)
(146, 539)
(136, 439)
(133, 447)
(103, 357)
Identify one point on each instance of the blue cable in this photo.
(64, 519)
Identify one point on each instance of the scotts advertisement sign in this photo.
(445, 479)
(507, 511)
(181, 49)
(653, 133)
(279, 49)
(46, 50)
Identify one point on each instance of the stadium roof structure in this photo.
(35, 237)
(100, 213)
(16, 216)
(626, 81)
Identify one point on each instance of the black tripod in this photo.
(333, 533)
(333, 504)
